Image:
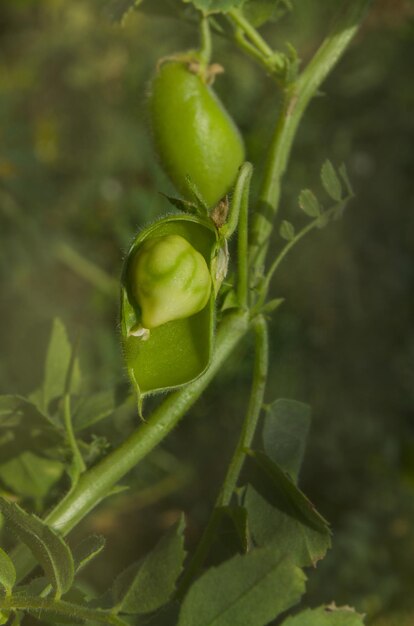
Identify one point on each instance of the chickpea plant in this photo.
(180, 319)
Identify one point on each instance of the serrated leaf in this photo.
(344, 175)
(287, 230)
(326, 616)
(331, 182)
(7, 572)
(281, 515)
(285, 430)
(259, 12)
(215, 6)
(148, 585)
(309, 203)
(31, 476)
(50, 550)
(86, 550)
(251, 589)
(272, 525)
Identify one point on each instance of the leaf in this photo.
(285, 430)
(272, 305)
(309, 203)
(287, 230)
(31, 476)
(326, 616)
(215, 6)
(259, 12)
(148, 585)
(182, 205)
(231, 534)
(280, 514)
(58, 360)
(97, 406)
(7, 572)
(24, 427)
(344, 175)
(249, 589)
(87, 550)
(331, 182)
(47, 546)
(271, 525)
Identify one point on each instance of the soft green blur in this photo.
(78, 178)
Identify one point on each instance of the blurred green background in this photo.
(78, 178)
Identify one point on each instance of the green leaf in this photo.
(86, 550)
(285, 430)
(58, 360)
(7, 572)
(287, 230)
(280, 514)
(182, 205)
(31, 476)
(231, 533)
(272, 525)
(272, 305)
(331, 182)
(326, 616)
(251, 589)
(344, 175)
(95, 407)
(309, 203)
(259, 12)
(148, 585)
(47, 546)
(24, 427)
(216, 6)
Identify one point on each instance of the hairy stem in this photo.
(295, 101)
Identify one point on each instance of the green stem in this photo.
(253, 410)
(237, 461)
(60, 607)
(296, 99)
(206, 45)
(96, 484)
(246, 27)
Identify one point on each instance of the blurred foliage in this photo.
(78, 178)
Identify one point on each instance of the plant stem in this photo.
(60, 607)
(295, 101)
(237, 461)
(253, 410)
(96, 483)
(205, 47)
(246, 27)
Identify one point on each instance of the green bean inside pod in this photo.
(171, 275)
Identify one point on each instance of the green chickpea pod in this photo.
(170, 280)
